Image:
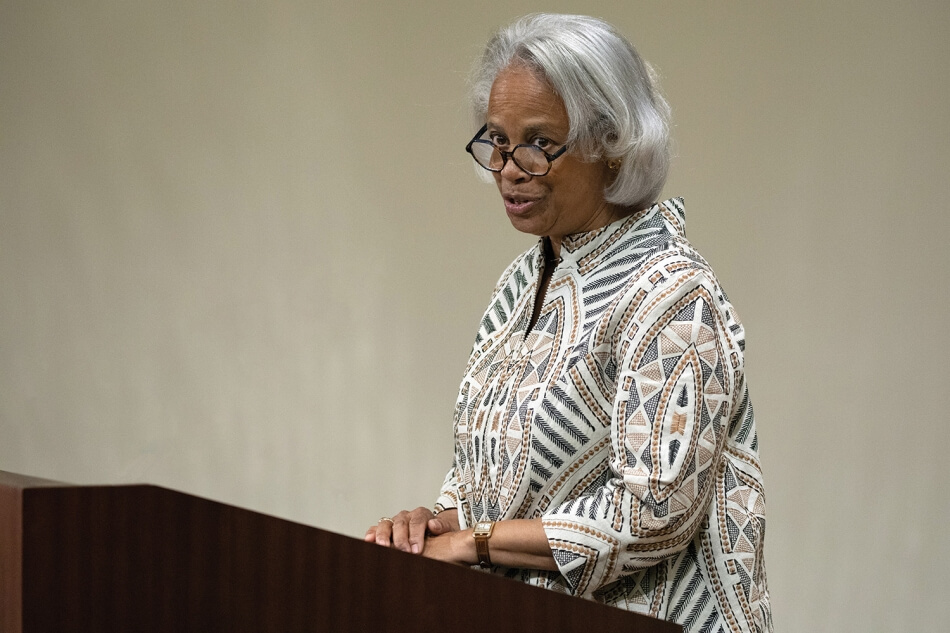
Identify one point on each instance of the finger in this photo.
(418, 521)
(370, 535)
(444, 522)
(400, 531)
(384, 532)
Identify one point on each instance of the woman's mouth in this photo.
(518, 206)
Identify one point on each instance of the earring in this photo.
(614, 164)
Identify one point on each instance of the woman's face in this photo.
(523, 108)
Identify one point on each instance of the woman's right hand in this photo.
(406, 531)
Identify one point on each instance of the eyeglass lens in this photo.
(528, 158)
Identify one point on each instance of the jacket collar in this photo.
(580, 250)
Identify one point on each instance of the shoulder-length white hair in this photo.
(614, 105)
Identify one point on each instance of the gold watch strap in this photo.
(482, 532)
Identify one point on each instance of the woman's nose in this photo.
(512, 173)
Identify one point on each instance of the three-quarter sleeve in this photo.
(675, 365)
(448, 494)
(494, 324)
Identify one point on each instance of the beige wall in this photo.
(243, 254)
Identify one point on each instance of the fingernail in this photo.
(415, 549)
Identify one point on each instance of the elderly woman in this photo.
(604, 440)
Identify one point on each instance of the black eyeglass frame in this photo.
(510, 154)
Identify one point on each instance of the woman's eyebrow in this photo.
(529, 130)
(538, 129)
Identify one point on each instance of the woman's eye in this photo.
(543, 143)
(498, 139)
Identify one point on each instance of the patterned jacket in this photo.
(623, 421)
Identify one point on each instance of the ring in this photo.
(381, 519)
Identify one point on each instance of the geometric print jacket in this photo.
(623, 421)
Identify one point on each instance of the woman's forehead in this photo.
(520, 97)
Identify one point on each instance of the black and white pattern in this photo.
(623, 421)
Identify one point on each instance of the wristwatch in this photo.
(482, 532)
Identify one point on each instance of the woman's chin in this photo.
(526, 224)
(527, 218)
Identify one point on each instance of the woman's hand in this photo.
(456, 546)
(407, 530)
(514, 542)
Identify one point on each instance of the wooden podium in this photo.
(144, 558)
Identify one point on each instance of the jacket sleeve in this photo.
(675, 365)
(508, 289)
(448, 495)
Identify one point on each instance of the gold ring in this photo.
(381, 519)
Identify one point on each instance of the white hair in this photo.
(614, 106)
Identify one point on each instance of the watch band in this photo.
(482, 532)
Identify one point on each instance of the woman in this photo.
(604, 440)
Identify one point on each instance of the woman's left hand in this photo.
(450, 547)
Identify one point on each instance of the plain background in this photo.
(243, 255)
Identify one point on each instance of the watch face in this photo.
(483, 526)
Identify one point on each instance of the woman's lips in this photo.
(519, 206)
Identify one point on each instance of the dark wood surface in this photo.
(11, 548)
(144, 558)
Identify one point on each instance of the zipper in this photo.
(537, 307)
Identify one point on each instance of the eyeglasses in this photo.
(530, 159)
